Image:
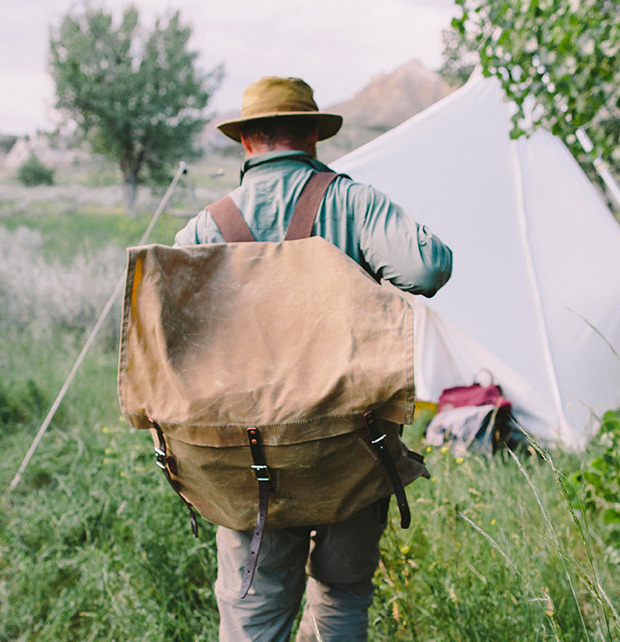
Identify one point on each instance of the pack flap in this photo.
(260, 334)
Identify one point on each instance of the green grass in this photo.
(66, 235)
(491, 557)
(94, 545)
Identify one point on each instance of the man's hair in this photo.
(271, 131)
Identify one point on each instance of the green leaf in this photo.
(611, 516)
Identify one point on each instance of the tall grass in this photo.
(497, 553)
(94, 545)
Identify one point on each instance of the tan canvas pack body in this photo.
(277, 362)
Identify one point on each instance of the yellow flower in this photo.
(459, 460)
(493, 522)
(404, 550)
(444, 450)
(428, 449)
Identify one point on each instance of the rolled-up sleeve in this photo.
(397, 248)
(200, 229)
(189, 234)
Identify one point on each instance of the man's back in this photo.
(356, 218)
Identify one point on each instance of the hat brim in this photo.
(327, 124)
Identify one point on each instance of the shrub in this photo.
(34, 172)
(6, 142)
(599, 480)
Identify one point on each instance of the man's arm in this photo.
(400, 250)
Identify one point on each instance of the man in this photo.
(279, 127)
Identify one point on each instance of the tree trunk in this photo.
(130, 192)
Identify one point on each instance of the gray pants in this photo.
(340, 559)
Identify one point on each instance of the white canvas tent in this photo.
(535, 291)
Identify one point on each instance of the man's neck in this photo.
(258, 148)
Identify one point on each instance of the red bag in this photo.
(474, 395)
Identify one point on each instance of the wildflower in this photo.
(404, 550)
(395, 611)
(444, 450)
(428, 449)
(493, 522)
(105, 430)
(459, 460)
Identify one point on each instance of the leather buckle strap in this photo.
(162, 460)
(378, 441)
(261, 472)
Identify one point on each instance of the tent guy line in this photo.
(92, 336)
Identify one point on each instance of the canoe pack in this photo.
(275, 376)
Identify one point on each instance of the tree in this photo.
(33, 172)
(137, 96)
(561, 56)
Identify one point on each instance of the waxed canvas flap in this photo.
(219, 337)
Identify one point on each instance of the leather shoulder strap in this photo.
(307, 206)
(234, 229)
(228, 218)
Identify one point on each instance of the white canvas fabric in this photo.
(535, 291)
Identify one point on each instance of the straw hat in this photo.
(273, 97)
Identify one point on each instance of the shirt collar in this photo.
(282, 155)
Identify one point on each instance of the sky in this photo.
(337, 46)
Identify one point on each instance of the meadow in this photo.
(94, 546)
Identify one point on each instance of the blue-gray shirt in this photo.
(357, 218)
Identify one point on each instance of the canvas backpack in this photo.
(274, 376)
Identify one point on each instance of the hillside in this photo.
(385, 102)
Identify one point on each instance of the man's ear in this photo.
(246, 144)
(313, 136)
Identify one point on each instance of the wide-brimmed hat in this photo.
(275, 97)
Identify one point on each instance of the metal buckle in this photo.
(259, 470)
(160, 458)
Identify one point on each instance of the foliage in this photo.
(67, 239)
(93, 546)
(459, 58)
(562, 54)
(6, 142)
(45, 294)
(599, 481)
(138, 96)
(33, 172)
(494, 554)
